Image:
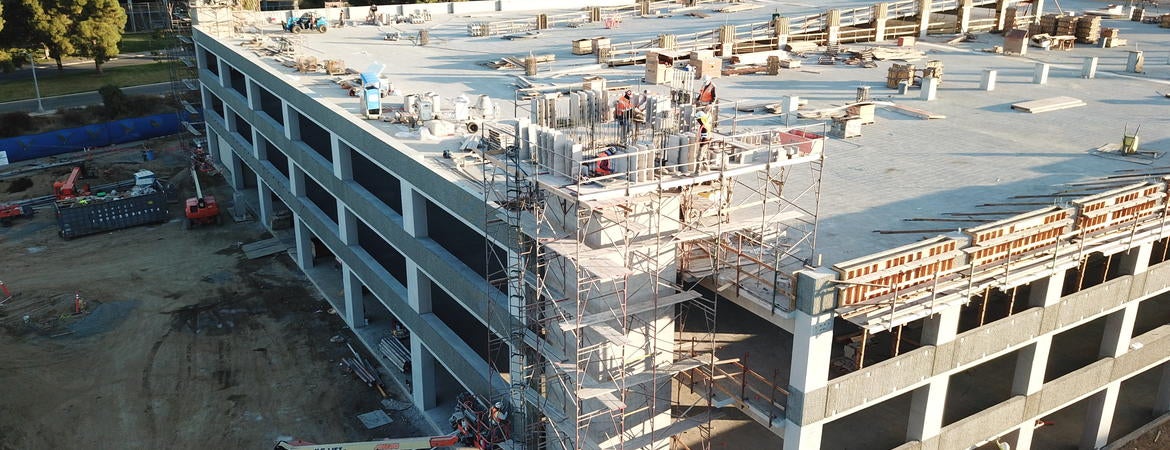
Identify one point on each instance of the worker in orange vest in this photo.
(622, 111)
(706, 93)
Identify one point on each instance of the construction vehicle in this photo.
(10, 212)
(65, 190)
(201, 209)
(389, 444)
(307, 21)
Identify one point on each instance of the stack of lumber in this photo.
(1047, 104)
(1066, 25)
(899, 73)
(1047, 24)
(1089, 30)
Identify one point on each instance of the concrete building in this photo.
(594, 302)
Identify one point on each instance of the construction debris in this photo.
(374, 419)
(1047, 104)
(260, 249)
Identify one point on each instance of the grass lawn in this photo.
(89, 81)
(142, 42)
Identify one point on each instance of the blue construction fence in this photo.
(34, 146)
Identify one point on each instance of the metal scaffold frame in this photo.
(601, 267)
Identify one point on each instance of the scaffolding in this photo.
(615, 226)
(184, 84)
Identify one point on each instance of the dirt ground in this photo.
(183, 343)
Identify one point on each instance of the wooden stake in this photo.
(1081, 273)
(1012, 302)
(1105, 274)
(983, 307)
(861, 351)
(898, 341)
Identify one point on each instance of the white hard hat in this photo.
(706, 79)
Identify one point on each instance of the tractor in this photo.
(307, 21)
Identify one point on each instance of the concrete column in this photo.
(292, 122)
(987, 83)
(1136, 260)
(1032, 361)
(342, 158)
(1038, 8)
(423, 366)
(926, 404)
(355, 305)
(347, 222)
(253, 96)
(965, 10)
(235, 175)
(1001, 14)
(304, 243)
(1114, 342)
(1040, 75)
(1099, 417)
(812, 345)
(222, 72)
(264, 201)
(414, 211)
(229, 119)
(1136, 62)
(1089, 68)
(881, 15)
(296, 180)
(929, 89)
(924, 16)
(1162, 402)
(833, 25)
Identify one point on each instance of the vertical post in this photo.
(781, 30)
(36, 84)
(881, 15)
(355, 305)
(987, 83)
(422, 361)
(1040, 75)
(1032, 360)
(924, 7)
(1089, 68)
(965, 9)
(926, 404)
(929, 88)
(1162, 402)
(811, 348)
(1136, 62)
(833, 26)
(1037, 9)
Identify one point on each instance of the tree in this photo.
(51, 25)
(99, 29)
(114, 100)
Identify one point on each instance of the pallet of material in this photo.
(1047, 104)
(260, 249)
(915, 112)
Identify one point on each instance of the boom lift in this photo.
(201, 209)
(65, 190)
(391, 444)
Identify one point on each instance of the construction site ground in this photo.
(184, 343)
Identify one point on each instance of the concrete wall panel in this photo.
(1145, 351)
(1069, 388)
(863, 386)
(973, 429)
(1157, 279)
(996, 337)
(1093, 301)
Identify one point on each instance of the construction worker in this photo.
(622, 112)
(706, 95)
(703, 128)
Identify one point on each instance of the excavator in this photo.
(390, 444)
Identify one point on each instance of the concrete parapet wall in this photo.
(863, 386)
(966, 433)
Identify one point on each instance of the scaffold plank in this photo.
(605, 263)
(709, 231)
(631, 309)
(647, 439)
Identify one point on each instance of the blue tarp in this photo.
(23, 148)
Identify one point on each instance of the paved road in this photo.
(48, 68)
(83, 99)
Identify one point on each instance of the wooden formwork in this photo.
(1018, 236)
(903, 270)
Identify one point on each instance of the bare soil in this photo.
(181, 343)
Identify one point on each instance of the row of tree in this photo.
(61, 28)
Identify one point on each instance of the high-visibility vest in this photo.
(707, 94)
(624, 105)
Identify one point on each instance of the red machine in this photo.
(479, 424)
(201, 209)
(67, 189)
(10, 212)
